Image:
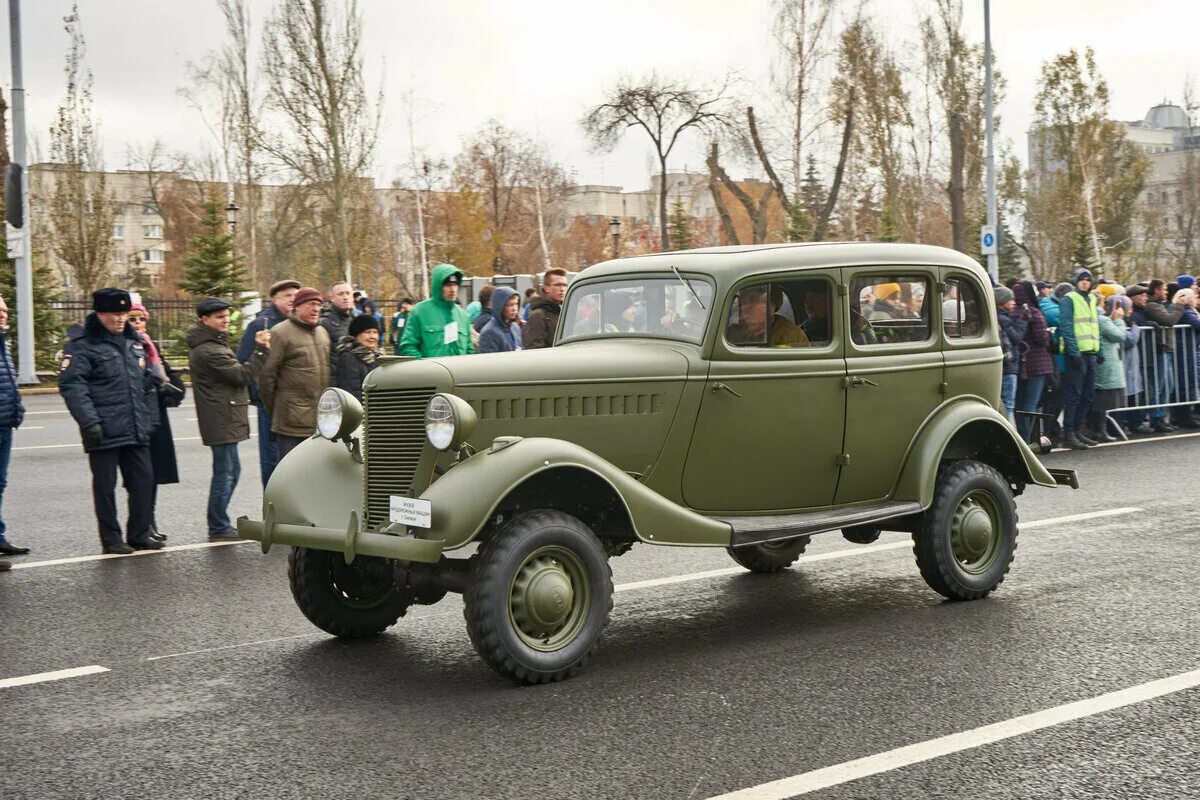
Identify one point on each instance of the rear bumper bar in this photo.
(351, 541)
(1065, 477)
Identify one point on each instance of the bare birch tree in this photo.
(80, 209)
(328, 129)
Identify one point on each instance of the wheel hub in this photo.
(974, 533)
(548, 598)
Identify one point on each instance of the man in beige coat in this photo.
(296, 372)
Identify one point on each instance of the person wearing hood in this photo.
(296, 372)
(438, 326)
(356, 355)
(221, 384)
(542, 323)
(111, 391)
(1079, 337)
(502, 333)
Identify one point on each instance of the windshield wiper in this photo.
(689, 287)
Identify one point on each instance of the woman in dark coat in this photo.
(170, 394)
(356, 354)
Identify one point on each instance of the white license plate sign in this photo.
(410, 511)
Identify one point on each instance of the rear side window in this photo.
(962, 309)
(889, 309)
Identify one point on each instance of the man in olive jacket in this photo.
(219, 384)
(296, 372)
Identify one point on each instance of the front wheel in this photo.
(968, 535)
(348, 600)
(540, 597)
(769, 556)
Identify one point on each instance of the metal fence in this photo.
(169, 321)
(1168, 379)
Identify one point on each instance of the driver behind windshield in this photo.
(755, 307)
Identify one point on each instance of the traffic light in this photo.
(14, 209)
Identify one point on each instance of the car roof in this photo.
(730, 263)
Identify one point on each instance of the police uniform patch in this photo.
(66, 362)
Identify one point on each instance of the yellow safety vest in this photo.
(1086, 324)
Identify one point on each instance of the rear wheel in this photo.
(348, 600)
(968, 535)
(769, 556)
(540, 597)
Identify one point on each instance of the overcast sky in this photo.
(537, 64)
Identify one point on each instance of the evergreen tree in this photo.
(679, 226)
(1008, 255)
(806, 206)
(48, 327)
(799, 224)
(888, 232)
(210, 269)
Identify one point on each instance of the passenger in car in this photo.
(816, 309)
(757, 306)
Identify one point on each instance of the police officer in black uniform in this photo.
(108, 387)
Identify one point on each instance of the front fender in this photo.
(468, 495)
(319, 483)
(972, 429)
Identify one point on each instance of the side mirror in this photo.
(14, 209)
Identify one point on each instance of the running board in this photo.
(755, 530)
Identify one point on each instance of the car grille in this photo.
(393, 439)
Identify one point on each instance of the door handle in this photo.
(716, 387)
(862, 382)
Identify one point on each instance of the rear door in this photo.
(769, 429)
(894, 373)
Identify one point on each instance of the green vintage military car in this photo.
(740, 397)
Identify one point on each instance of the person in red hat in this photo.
(296, 372)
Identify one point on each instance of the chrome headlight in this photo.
(338, 414)
(449, 420)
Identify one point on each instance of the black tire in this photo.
(968, 535)
(769, 556)
(526, 564)
(861, 534)
(352, 601)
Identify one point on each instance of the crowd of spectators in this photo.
(1100, 361)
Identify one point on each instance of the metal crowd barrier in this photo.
(1169, 380)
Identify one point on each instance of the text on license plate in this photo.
(410, 511)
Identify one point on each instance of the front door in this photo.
(769, 431)
(893, 374)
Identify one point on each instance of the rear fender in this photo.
(967, 428)
(473, 492)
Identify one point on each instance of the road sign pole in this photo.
(26, 369)
(993, 259)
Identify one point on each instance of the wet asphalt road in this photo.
(218, 687)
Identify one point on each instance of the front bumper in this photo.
(352, 541)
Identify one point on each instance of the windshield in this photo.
(639, 307)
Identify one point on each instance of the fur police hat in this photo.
(111, 300)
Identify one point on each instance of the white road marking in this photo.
(67, 411)
(855, 551)
(232, 646)
(106, 556)
(31, 428)
(57, 675)
(965, 740)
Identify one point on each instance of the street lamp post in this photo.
(614, 230)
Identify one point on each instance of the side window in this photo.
(962, 311)
(889, 309)
(792, 313)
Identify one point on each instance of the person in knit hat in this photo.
(1079, 337)
(1036, 364)
(356, 354)
(1185, 282)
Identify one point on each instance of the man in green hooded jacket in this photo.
(437, 326)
